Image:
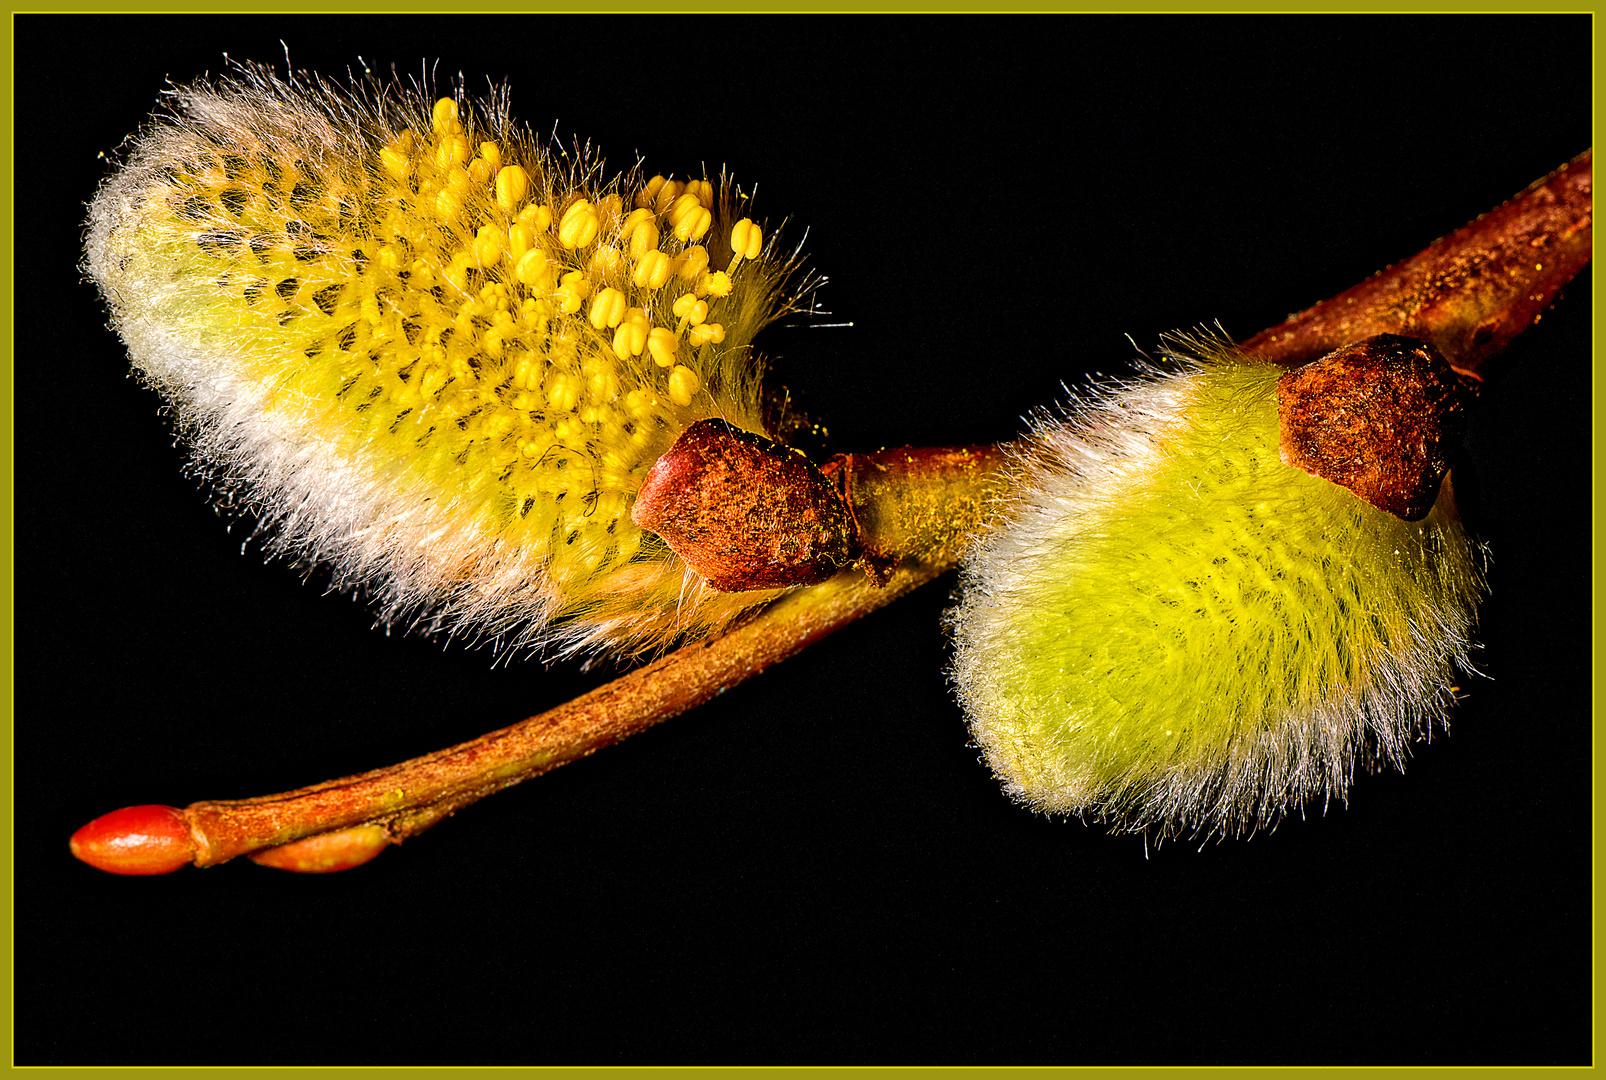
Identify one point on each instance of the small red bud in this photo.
(135, 840)
(327, 852)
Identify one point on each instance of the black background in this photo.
(814, 868)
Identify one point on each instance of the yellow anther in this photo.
(747, 240)
(444, 115)
(579, 225)
(683, 385)
(448, 204)
(571, 292)
(538, 216)
(609, 209)
(648, 196)
(690, 309)
(512, 188)
(395, 162)
(456, 272)
(637, 402)
(491, 154)
(634, 221)
(531, 267)
(652, 271)
(577, 282)
(643, 238)
(666, 195)
(661, 343)
(608, 309)
(562, 390)
(691, 263)
(707, 334)
(717, 284)
(606, 262)
(479, 171)
(489, 244)
(452, 150)
(689, 218)
(703, 190)
(631, 337)
(520, 238)
(459, 181)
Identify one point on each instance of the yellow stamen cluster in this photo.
(446, 310)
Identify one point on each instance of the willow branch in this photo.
(1470, 294)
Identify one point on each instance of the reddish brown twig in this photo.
(1469, 294)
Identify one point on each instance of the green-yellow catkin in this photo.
(1177, 633)
(431, 354)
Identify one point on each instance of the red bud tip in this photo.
(135, 840)
(326, 853)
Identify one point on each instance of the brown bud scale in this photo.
(1375, 417)
(744, 512)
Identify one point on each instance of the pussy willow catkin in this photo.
(1176, 632)
(430, 354)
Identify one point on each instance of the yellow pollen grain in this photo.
(608, 309)
(683, 385)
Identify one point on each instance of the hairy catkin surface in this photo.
(1176, 632)
(426, 352)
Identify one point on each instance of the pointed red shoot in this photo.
(327, 852)
(138, 840)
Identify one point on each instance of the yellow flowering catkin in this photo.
(426, 352)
